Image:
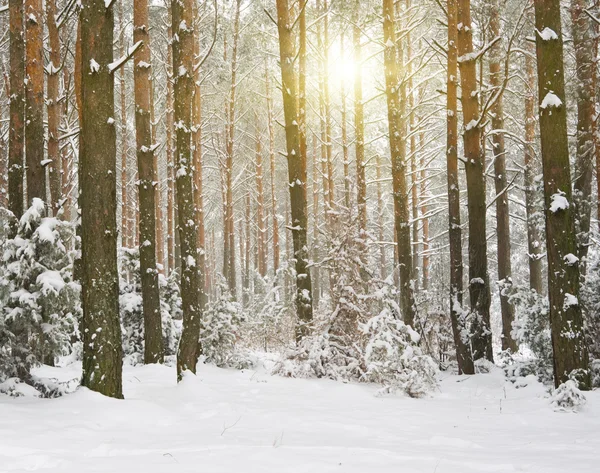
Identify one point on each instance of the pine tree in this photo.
(16, 139)
(102, 352)
(566, 322)
(397, 136)
(479, 285)
(297, 173)
(183, 64)
(153, 349)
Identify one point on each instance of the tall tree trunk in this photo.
(344, 126)
(458, 315)
(158, 206)
(359, 124)
(424, 210)
(397, 136)
(270, 121)
(315, 272)
(170, 157)
(534, 246)
(296, 170)
(197, 159)
(53, 106)
(479, 285)
(501, 185)
(566, 321)
(183, 64)
(102, 350)
(16, 133)
(126, 234)
(260, 212)
(34, 97)
(380, 226)
(584, 42)
(229, 248)
(153, 342)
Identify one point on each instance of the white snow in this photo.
(547, 34)
(551, 100)
(571, 259)
(558, 202)
(94, 66)
(570, 301)
(51, 281)
(225, 421)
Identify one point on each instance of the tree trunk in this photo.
(359, 124)
(584, 41)
(153, 342)
(53, 106)
(16, 133)
(170, 158)
(479, 286)
(501, 184)
(272, 162)
(566, 321)
(397, 136)
(260, 212)
(458, 316)
(424, 209)
(229, 247)
(102, 351)
(158, 207)
(126, 234)
(197, 159)
(315, 272)
(34, 97)
(380, 226)
(296, 170)
(535, 255)
(344, 126)
(183, 64)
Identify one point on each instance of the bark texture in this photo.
(479, 285)
(566, 321)
(34, 99)
(464, 356)
(16, 133)
(501, 184)
(102, 351)
(183, 63)
(397, 136)
(153, 342)
(296, 170)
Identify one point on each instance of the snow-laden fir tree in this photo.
(39, 300)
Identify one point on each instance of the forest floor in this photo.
(226, 421)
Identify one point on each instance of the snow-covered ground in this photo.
(230, 421)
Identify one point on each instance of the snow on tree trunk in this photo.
(297, 174)
(397, 137)
(568, 341)
(479, 286)
(153, 348)
(102, 351)
(183, 64)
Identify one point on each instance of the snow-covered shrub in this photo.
(220, 330)
(39, 300)
(269, 321)
(361, 336)
(567, 397)
(131, 307)
(531, 330)
(392, 356)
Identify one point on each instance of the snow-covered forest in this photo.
(299, 235)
